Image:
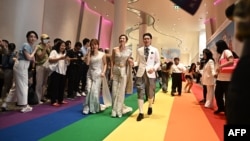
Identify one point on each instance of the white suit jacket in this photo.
(208, 73)
(153, 61)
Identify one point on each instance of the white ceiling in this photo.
(172, 27)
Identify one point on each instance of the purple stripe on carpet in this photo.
(11, 118)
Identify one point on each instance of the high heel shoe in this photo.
(113, 114)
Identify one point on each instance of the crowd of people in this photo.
(58, 73)
(208, 72)
(87, 70)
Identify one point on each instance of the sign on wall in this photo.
(227, 35)
(170, 53)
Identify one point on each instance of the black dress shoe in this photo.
(140, 117)
(172, 93)
(150, 110)
(203, 101)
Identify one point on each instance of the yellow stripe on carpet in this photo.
(151, 128)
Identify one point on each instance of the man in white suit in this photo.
(148, 60)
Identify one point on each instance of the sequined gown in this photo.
(94, 81)
(119, 83)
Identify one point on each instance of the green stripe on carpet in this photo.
(95, 127)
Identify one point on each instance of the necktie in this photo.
(146, 52)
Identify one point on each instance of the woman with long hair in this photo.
(208, 77)
(223, 79)
(189, 76)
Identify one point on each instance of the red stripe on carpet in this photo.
(217, 121)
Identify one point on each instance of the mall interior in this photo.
(176, 32)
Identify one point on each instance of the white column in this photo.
(142, 30)
(120, 16)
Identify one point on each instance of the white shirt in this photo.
(208, 73)
(62, 64)
(224, 76)
(180, 68)
(84, 50)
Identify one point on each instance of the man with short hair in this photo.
(74, 70)
(85, 49)
(148, 60)
(178, 70)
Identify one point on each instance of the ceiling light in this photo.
(176, 7)
(217, 2)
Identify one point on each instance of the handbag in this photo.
(228, 69)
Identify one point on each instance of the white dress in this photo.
(94, 81)
(119, 84)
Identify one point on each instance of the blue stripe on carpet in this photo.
(39, 127)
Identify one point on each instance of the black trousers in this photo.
(221, 91)
(204, 92)
(177, 82)
(74, 73)
(85, 69)
(57, 83)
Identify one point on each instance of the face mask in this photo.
(45, 41)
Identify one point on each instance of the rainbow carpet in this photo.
(176, 118)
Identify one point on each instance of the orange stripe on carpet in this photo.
(188, 122)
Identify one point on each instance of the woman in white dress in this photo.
(96, 72)
(120, 70)
(208, 77)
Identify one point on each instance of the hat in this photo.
(44, 36)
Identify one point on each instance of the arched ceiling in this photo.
(170, 26)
